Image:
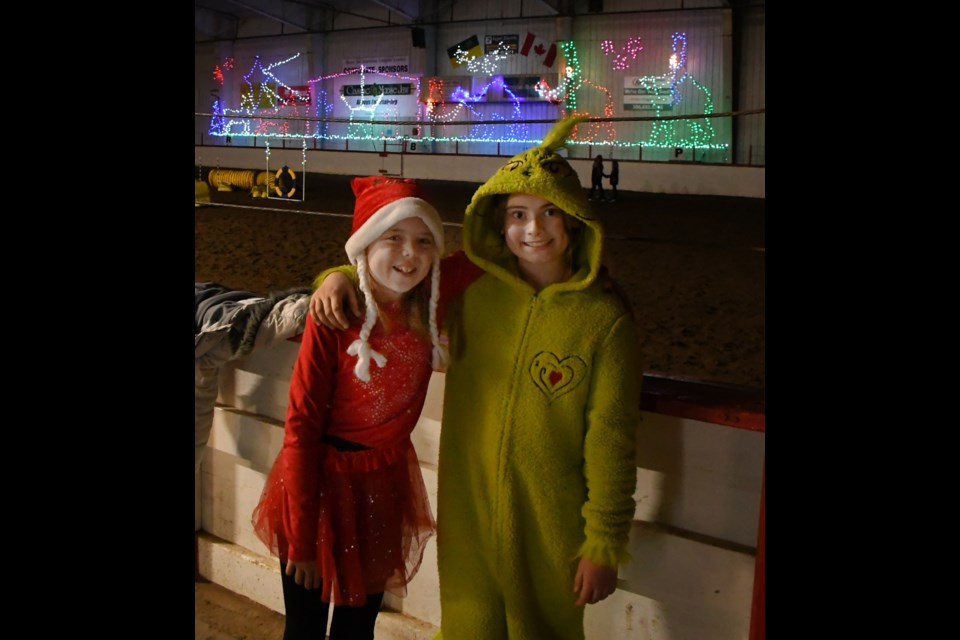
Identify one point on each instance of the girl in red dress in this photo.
(344, 506)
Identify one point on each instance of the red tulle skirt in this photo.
(374, 521)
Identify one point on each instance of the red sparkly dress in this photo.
(363, 515)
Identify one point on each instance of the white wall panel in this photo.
(240, 570)
(260, 382)
(252, 438)
(702, 591)
(700, 477)
(230, 492)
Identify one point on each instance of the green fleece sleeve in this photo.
(347, 269)
(610, 464)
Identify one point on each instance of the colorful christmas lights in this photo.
(678, 133)
(627, 54)
(367, 114)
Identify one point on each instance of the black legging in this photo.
(306, 614)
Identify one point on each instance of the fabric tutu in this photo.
(373, 524)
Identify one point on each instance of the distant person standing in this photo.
(596, 178)
(614, 177)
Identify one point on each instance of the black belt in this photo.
(343, 445)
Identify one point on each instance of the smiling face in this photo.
(536, 233)
(400, 259)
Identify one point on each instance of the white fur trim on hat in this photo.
(390, 214)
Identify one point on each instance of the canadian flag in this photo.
(539, 47)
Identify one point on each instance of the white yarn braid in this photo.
(361, 347)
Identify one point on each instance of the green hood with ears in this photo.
(540, 171)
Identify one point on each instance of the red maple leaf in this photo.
(539, 49)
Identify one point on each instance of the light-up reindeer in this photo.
(567, 93)
(682, 89)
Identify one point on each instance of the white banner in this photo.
(396, 64)
(383, 92)
(378, 97)
(647, 92)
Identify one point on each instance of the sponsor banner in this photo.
(375, 89)
(379, 97)
(396, 64)
(642, 93)
(509, 44)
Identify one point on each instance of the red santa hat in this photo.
(381, 203)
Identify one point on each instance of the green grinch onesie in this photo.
(537, 459)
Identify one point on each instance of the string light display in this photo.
(266, 101)
(566, 89)
(485, 65)
(484, 131)
(218, 124)
(678, 133)
(323, 109)
(460, 57)
(565, 94)
(218, 72)
(368, 104)
(261, 88)
(435, 106)
(629, 53)
(269, 83)
(594, 131)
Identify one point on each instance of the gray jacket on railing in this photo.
(231, 324)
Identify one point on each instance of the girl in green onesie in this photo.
(541, 404)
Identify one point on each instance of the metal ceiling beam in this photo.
(215, 24)
(553, 5)
(398, 9)
(267, 14)
(200, 7)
